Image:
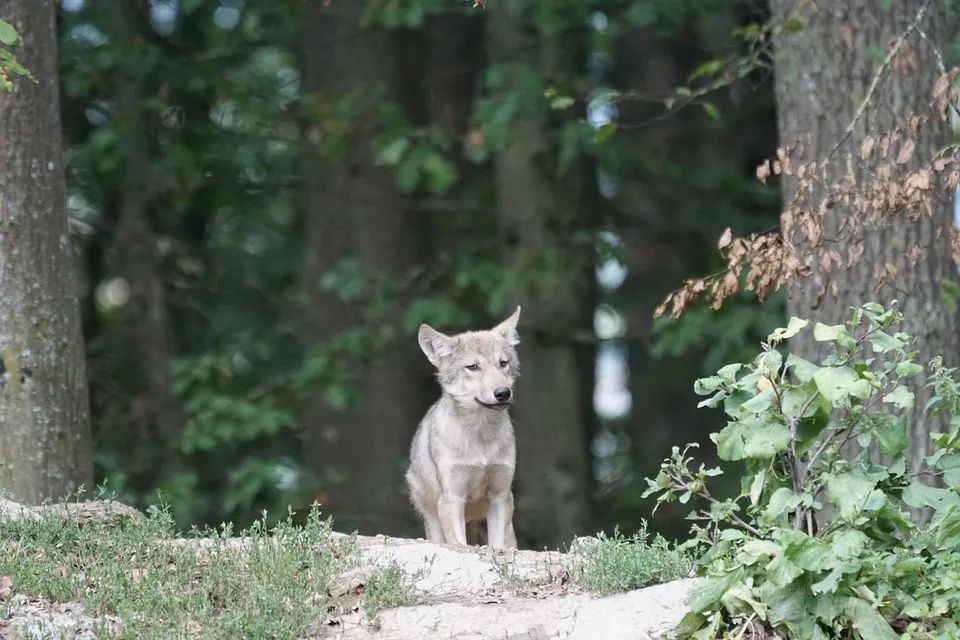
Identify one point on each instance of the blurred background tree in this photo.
(269, 197)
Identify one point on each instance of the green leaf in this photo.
(854, 493)
(753, 550)
(868, 621)
(391, 153)
(835, 383)
(766, 441)
(604, 131)
(794, 326)
(919, 495)
(711, 109)
(828, 584)
(803, 369)
(8, 35)
(848, 543)
(794, 25)
(440, 173)
(901, 397)
(883, 342)
(876, 54)
(705, 595)
(689, 624)
(729, 372)
(730, 442)
(782, 500)
(908, 369)
(708, 68)
(760, 402)
(829, 333)
(892, 436)
(706, 386)
(561, 102)
(790, 605)
(782, 571)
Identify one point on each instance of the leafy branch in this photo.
(866, 571)
(9, 67)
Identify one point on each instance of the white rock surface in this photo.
(461, 592)
(475, 594)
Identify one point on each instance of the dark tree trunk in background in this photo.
(538, 215)
(354, 211)
(45, 448)
(134, 256)
(822, 76)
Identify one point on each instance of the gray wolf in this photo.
(463, 454)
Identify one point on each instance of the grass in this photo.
(270, 585)
(613, 564)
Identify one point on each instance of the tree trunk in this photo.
(538, 215)
(147, 332)
(822, 76)
(354, 211)
(45, 448)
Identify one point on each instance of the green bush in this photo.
(818, 545)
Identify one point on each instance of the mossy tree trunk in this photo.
(824, 70)
(45, 448)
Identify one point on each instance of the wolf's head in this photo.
(476, 368)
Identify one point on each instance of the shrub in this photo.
(817, 544)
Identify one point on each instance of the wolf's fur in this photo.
(463, 454)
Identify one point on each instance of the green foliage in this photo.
(621, 563)
(231, 138)
(386, 588)
(817, 545)
(270, 585)
(9, 67)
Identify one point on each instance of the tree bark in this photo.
(45, 448)
(354, 211)
(538, 214)
(823, 72)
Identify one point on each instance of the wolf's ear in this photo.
(435, 345)
(508, 328)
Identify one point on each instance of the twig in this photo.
(936, 52)
(877, 77)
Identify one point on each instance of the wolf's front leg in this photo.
(452, 519)
(500, 522)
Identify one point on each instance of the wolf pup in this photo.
(463, 453)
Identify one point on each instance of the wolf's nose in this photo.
(502, 394)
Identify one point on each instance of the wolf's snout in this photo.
(502, 394)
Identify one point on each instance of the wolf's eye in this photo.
(504, 363)
(473, 367)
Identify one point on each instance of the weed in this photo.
(619, 563)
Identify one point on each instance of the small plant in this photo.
(619, 563)
(818, 545)
(387, 588)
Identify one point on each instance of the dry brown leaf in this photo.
(725, 238)
(906, 151)
(846, 36)
(763, 172)
(866, 147)
(6, 586)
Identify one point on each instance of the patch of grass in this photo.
(618, 563)
(387, 588)
(269, 584)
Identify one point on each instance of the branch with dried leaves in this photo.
(889, 186)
